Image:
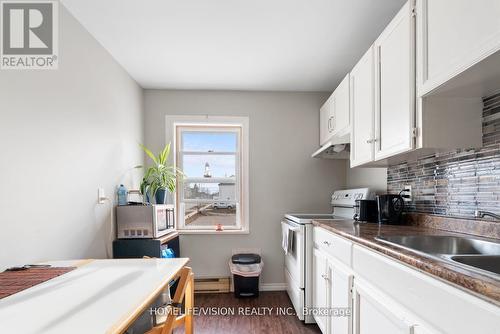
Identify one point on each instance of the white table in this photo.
(100, 296)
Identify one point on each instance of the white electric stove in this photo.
(298, 259)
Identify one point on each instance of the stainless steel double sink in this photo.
(480, 255)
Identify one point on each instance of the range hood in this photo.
(335, 148)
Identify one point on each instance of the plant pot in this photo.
(161, 196)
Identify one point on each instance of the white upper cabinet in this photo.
(362, 110)
(334, 114)
(395, 85)
(419, 88)
(326, 121)
(342, 119)
(382, 87)
(454, 35)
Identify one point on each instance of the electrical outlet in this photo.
(101, 197)
(406, 193)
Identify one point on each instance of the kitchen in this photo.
(282, 132)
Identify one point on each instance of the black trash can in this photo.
(246, 269)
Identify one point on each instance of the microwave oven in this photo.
(144, 221)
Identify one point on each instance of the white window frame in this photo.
(242, 220)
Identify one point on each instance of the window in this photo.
(213, 154)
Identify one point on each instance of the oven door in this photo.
(294, 259)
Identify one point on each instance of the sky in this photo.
(205, 141)
(220, 165)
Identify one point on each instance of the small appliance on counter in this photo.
(365, 210)
(390, 208)
(144, 221)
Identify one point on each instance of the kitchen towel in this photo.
(286, 238)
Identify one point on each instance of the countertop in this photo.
(364, 234)
(99, 296)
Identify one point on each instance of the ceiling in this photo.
(265, 45)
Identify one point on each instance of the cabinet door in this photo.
(362, 110)
(326, 121)
(395, 86)
(321, 278)
(375, 314)
(341, 117)
(340, 299)
(323, 124)
(452, 36)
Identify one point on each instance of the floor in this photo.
(251, 315)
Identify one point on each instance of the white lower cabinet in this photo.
(388, 297)
(332, 283)
(340, 298)
(375, 313)
(332, 298)
(321, 277)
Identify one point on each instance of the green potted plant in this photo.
(160, 177)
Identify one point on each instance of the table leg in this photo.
(189, 303)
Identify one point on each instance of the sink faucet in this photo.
(481, 214)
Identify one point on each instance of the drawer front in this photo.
(332, 244)
(296, 295)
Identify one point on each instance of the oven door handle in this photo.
(292, 226)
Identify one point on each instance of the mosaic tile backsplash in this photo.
(458, 182)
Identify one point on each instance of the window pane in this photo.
(221, 192)
(205, 141)
(209, 165)
(206, 215)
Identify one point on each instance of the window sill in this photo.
(225, 232)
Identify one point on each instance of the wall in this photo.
(63, 134)
(456, 183)
(284, 130)
(374, 178)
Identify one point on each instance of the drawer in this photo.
(296, 295)
(332, 244)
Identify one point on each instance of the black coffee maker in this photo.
(390, 208)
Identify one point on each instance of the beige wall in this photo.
(63, 134)
(284, 178)
(375, 178)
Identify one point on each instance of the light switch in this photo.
(101, 196)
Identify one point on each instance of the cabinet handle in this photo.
(327, 243)
(325, 277)
(369, 141)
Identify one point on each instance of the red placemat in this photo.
(12, 282)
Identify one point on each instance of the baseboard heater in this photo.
(212, 285)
